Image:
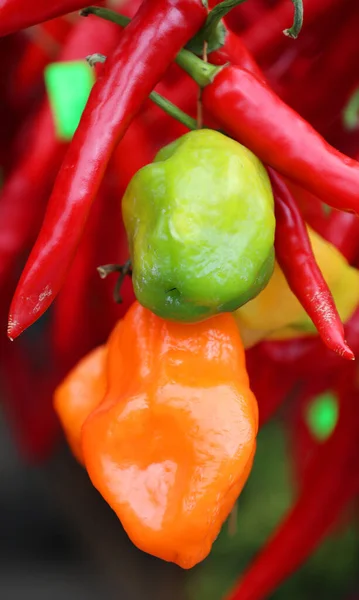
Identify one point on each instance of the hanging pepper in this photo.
(311, 208)
(79, 394)
(24, 194)
(277, 314)
(235, 52)
(200, 225)
(172, 443)
(342, 230)
(308, 357)
(128, 78)
(26, 189)
(295, 256)
(270, 383)
(19, 14)
(43, 46)
(316, 509)
(281, 138)
(85, 298)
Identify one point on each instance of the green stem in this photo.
(173, 111)
(294, 31)
(107, 14)
(213, 31)
(167, 106)
(217, 13)
(203, 73)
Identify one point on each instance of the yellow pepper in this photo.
(276, 314)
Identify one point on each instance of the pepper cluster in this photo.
(254, 212)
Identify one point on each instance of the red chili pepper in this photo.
(84, 294)
(332, 76)
(304, 444)
(28, 185)
(314, 512)
(270, 383)
(254, 115)
(311, 208)
(295, 256)
(235, 52)
(44, 45)
(19, 14)
(342, 230)
(183, 92)
(25, 191)
(147, 47)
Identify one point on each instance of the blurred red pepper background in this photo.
(300, 506)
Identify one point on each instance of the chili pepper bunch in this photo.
(266, 180)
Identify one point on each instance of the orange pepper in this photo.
(79, 394)
(172, 444)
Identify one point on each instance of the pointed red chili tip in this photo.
(348, 353)
(13, 329)
(27, 307)
(336, 341)
(344, 351)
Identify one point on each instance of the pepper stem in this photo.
(123, 271)
(294, 31)
(203, 73)
(216, 14)
(107, 14)
(173, 110)
(167, 106)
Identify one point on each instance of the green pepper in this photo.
(200, 225)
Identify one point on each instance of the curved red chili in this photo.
(146, 49)
(236, 52)
(23, 197)
(342, 230)
(19, 14)
(253, 114)
(295, 256)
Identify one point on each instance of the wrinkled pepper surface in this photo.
(200, 225)
(172, 440)
(277, 314)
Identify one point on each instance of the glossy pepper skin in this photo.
(172, 443)
(333, 484)
(281, 138)
(277, 314)
(79, 394)
(295, 256)
(200, 225)
(23, 197)
(129, 75)
(19, 14)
